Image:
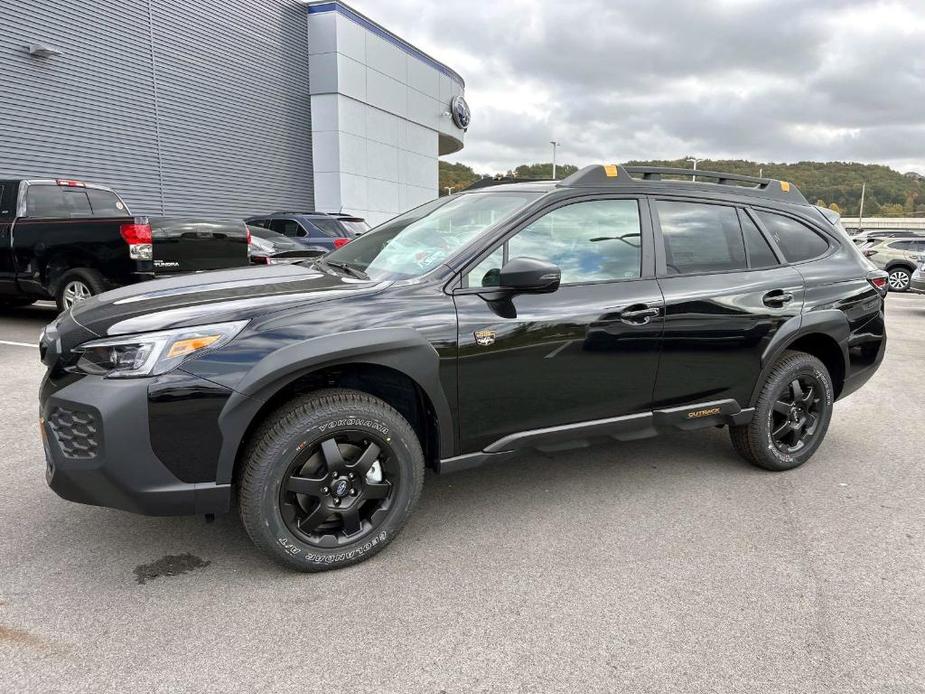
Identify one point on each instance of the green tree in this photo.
(542, 171)
(456, 176)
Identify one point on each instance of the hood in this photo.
(212, 297)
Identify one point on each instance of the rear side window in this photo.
(796, 240)
(288, 227)
(105, 203)
(57, 202)
(701, 238)
(759, 250)
(328, 227)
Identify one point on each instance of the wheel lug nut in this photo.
(325, 490)
(334, 475)
(337, 502)
(350, 476)
(353, 492)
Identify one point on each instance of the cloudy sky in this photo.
(613, 80)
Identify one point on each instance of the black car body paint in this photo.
(595, 360)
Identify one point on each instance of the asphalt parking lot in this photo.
(658, 565)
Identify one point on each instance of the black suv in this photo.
(616, 304)
(316, 231)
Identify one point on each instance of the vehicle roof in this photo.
(649, 179)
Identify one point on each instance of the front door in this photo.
(727, 292)
(586, 351)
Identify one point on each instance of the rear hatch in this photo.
(191, 245)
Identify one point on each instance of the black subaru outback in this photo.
(616, 304)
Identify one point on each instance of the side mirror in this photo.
(529, 275)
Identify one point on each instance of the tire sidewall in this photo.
(88, 277)
(309, 431)
(774, 456)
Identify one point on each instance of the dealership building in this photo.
(225, 109)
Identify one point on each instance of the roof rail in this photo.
(614, 175)
(489, 181)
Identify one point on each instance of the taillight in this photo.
(341, 242)
(136, 233)
(70, 183)
(249, 237)
(139, 239)
(869, 253)
(878, 281)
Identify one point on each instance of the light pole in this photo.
(696, 161)
(449, 190)
(861, 211)
(555, 146)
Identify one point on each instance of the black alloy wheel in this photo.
(796, 413)
(338, 489)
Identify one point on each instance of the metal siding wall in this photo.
(231, 93)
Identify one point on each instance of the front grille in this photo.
(76, 432)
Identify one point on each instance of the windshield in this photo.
(420, 240)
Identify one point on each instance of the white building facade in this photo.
(382, 113)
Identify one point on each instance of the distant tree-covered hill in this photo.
(832, 184)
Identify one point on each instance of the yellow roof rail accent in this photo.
(784, 186)
(611, 170)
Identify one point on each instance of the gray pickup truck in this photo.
(67, 240)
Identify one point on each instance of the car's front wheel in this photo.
(329, 480)
(792, 414)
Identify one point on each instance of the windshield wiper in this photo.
(350, 270)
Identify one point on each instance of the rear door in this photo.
(727, 292)
(192, 245)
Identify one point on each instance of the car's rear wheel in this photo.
(78, 285)
(899, 279)
(329, 480)
(792, 414)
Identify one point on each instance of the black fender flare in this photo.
(831, 322)
(403, 349)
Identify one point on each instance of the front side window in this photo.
(418, 241)
(796, 240)
(700, 238)
(593, 241)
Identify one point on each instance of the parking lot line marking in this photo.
(18, 344)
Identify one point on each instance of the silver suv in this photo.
(899, 257)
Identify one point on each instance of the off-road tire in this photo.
(753, 441)
(299, 425)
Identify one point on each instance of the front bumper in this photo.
(98, 450)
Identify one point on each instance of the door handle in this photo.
(639, 316)
(777, 298)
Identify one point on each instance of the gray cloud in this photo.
(774, 80)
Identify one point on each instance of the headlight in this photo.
(150, 354)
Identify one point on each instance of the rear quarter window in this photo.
(796, 240)
(105, 203)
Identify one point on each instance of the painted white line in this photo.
(18, 344)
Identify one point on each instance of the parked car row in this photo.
(67, 240)
(898, 256)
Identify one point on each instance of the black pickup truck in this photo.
(68, 240)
